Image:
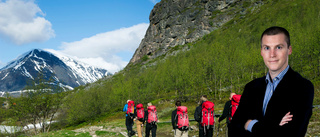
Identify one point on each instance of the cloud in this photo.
(154, 1)
(22, 22)
(103, 49)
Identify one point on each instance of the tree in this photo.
(39, 104)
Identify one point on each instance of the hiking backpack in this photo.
(140, 112)
(152, 115)
(183, 119)
(235, 100)
(130, 109)
(207, 114)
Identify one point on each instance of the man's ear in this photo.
(290, 50)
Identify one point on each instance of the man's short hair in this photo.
(277, 30)
(178, 103)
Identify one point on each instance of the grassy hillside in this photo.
(220, 63)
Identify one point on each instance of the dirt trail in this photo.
(92, 130)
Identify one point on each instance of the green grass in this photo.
(64, 133)
(107, 134)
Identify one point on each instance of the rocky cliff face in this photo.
(177, 22)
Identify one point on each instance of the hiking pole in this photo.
(142, 129)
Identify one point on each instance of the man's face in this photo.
(275, 52)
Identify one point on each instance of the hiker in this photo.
(280, 103)
(204, 130)
(129, 109)
(140, 118)
(229, 109)
(151, 118)
(180, 120)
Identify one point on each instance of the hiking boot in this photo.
(133, 133)
(129, 133)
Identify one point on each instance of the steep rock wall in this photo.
(177, 22)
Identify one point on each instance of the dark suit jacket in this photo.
(293, 94)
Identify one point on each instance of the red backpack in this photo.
(140, 112)
(207, 114)
(183, 119)
(152, 115)
(130, 109)
(234, 104)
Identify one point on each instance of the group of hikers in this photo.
(141, 116)
(277, 104)
(204, 115)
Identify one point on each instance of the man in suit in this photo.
(280, 103)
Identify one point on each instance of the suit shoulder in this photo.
(296, 83)
(256, 82)
(254, 87)
(298, 79)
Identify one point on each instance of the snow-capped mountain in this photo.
(66, 71)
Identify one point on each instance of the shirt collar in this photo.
(279, 76)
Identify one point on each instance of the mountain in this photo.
(179, 22)
(66, 71)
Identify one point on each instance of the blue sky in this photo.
(103, 33)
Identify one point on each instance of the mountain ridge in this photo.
(63, 69)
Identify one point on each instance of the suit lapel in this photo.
(260, 95)
(281, 90)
